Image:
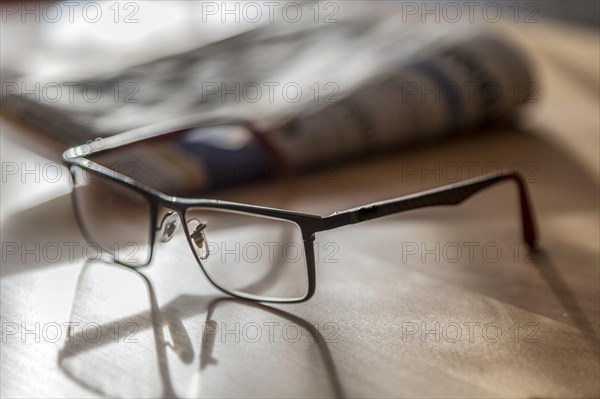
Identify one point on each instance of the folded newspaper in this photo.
(315, 94)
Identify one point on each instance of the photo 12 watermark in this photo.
(456, 171)
(92, 12)
(252, 12)
(71, 332)
(465, 252)
(526, 12)
(471, 332)
(469, 92)
(54, 172)
(269, 252)
(51, 252)
(71, 92)
(268, 332)
(271, 92)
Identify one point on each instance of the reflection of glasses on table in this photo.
(247, 251)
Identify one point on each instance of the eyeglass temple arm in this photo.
(452, 194)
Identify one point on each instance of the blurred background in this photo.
(79, 72)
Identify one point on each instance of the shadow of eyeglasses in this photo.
(172, 314)
(542, 261)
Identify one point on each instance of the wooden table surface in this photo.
(441, 302)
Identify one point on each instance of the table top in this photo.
(439, 302)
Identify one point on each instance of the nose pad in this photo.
(198, 237)
(170, 225)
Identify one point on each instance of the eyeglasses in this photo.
(247, 251)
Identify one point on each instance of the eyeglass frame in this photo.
(309, 224)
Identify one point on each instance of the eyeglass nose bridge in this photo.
(169, 226)
(198, 237)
